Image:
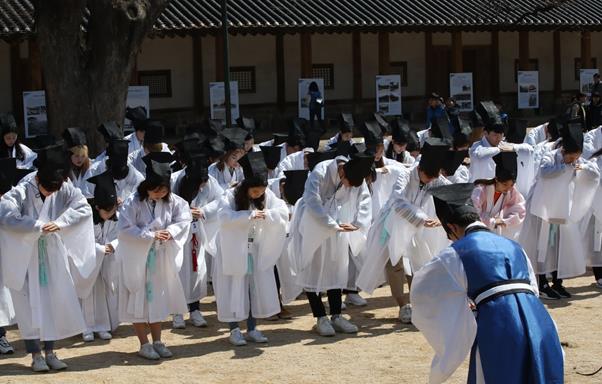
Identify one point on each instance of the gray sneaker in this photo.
(5, 347)
(54, 363)
(161, 349)
(38, 364)
(236, 338)
(148, 352)
(340, 324)
(324, 327)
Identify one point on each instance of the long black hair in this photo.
(5, 151)
(189, 187)
(149, 185)
(390, 154)
(241, 193)
(96, 215)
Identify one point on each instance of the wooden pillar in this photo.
(557, 66)
(384, 57)
(16, 82)
(457, 62)
(197, 75)
(586, 50)
(428, 61)
(356, 52)
(495, 64)
(280, 73)
(35, 66)
(306, 59)
(219, 57)
(523, 51)
(134, 74)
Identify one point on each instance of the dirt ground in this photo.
(384, 351)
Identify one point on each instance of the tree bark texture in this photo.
(88, 50)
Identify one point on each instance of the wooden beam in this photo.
(457, 64)
(197, 74)
(280, 73)
(35, 66)
(523, 51)
(306, 55)
(356, 52)
(495, 64)
(134, 75)
(219, 57)
(384, 57)
(586, 49)
(557, 66)
(428, 61)
(16, 81)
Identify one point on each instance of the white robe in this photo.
(241, 289)
(29, 157)
(149, 286)
(224, 178)
(124, 187)
(7, 310)
(536, 135)
(462, 175)
(440, 309)
(382, 188)
(136, 144)
(592, 142)
(47, 309)
(100, 307)
(398, 231)
(293, 162)
(204, 231)
(81, 181)
(560, 196)
(321, 253)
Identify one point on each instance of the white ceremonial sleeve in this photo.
(178, 229)
(273, 234)
(233, 236)
(440, 310)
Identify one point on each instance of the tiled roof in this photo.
(184, 16)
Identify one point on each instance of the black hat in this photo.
(188, 147)
(43, 141)
(248, 124)
(453, 160)
(490, 114)
(105, 194)
(440, 128)
(74, 137)
(553, 128)
(400, 130)
(373, 135)
(234, 138)
(212, 127)
(451, 200)
(463, 132)
(7, 123)
(506, 166)
(294, 186)
(517, 131)
(279, 138)
(382, 122)
(137, 116)
(118, 156)
(346, 123)
(297, 128)
(197, 168)
(572, 136)
(271, 156)
(8, 169)
(360, 148)
(434, 152)
(51, 158)
(435, 95)
(154, 132)
(158, 170)
(216, 146)
(110, 131)
(314, 158)
(413, 142)
(358, 168)
(476, 119)
(343, 148)
(253, 165)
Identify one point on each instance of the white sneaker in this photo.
(324, 327)
(104, 335)
(356, 300)
(161, 349)
(148, 352)
(38, 364)
(343, 306)
(88, 336)
(340, 324)
(599, 284)
(197, 319)
(54, 363)
(178, 322)
(405, 314)
(236, 338)
(5, 347)
(256, 336)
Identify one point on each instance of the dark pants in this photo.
(33, 346)
(597, 273)
(543, 281)
(196, 306)
(2, 332)
(251, 323)
(317, 307)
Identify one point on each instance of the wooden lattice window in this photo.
(158, 82)
(325, 72)
(400, 68)
(245, 76)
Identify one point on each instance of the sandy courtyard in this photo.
(384, 351)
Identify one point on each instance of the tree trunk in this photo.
(88, 50)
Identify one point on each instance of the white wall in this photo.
(410, 47)
(369, 43)
(570, 48)
(5, 78)
(174, 54)
(508, 51)
(335, 49)
(541, 47)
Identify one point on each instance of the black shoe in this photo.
(547, 293)
(561, 291)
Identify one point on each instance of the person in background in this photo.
(345, 134)
(75, 142)
(11, 146)
(435, 109)
(576, 109)
(594, 112)
(316, 103)
(597, 85)
(227, 171)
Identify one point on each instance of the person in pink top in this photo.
(499, 204)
